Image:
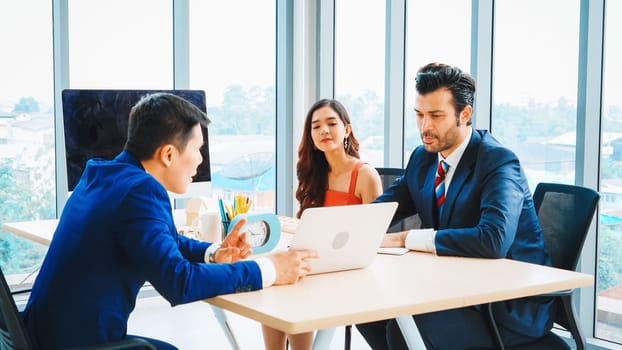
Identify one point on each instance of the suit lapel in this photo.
(463, 172)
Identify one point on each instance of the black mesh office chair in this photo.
(13, 335)
(565, 213)
(388, 176)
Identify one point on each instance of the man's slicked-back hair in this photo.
(158, 119)
(461, 85)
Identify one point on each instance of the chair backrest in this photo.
(12, 332)
(565, 213)
(388, 176)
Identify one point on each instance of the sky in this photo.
(112, 48)
(26, 60)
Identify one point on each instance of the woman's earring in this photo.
(345, 143)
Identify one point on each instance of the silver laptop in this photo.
(346, 237)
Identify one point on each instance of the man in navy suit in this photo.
(116, 232)
(478, 204)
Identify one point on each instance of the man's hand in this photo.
(291, 265)
(394, 240)
(235, 247)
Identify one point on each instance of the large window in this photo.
(535, 85)
(231, 51)
(433, 35)
(609, 281)
(232, 58)
(26, 129)
(359, 71)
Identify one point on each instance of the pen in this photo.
(230, 212)
(222, 210)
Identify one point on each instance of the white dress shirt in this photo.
(423, 239)
(266, 266)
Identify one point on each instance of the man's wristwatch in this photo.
(211, 256)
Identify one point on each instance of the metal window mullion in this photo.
(325, 49)
(482, 44)
(181, 44)
(284, 106)
(394, 88)
(60, 43)
(587, 165)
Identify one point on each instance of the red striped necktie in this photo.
(439, 184)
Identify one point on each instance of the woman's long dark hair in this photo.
(312, 167)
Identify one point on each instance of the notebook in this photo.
(288, 224)
(346, 237)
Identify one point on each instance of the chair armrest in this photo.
(493, 323)
(122, 344)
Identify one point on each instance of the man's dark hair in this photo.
(161, 118)
(437, 75)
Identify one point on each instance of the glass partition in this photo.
(26, 130)
(609, 274)
(535, 78)
(426, 42)
(232, 58)
(359, 71)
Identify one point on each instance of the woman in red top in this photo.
(330, 173)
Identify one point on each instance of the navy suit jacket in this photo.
(488, 213)
(116, 232)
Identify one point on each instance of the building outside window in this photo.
(359, 71)
(427, 42)
(535, 85)
(26, 130)
(609, 274)
(232, 58)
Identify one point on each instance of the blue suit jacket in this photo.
(488, 213)
(116, 232)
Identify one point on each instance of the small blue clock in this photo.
(264, 230)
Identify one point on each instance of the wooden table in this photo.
(395, 287)
(392, 287)
(40, 231)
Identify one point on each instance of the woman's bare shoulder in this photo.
(368, 175)
(368, 170)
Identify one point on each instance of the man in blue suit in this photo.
(116, 232)
(477, 203)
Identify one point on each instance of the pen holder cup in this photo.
(225, 225)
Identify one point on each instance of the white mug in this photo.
(210, 227)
